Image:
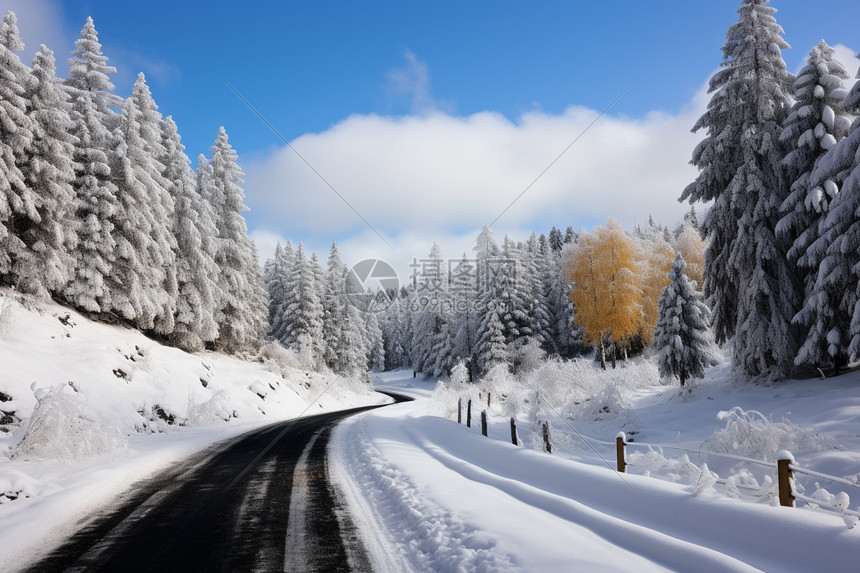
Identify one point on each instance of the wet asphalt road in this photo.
(227, 509)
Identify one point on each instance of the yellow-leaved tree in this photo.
(692, 248)
(657, 258)
(603, 271)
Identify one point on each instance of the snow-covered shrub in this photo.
(447, 394)
(751, 434)
(15, 484)
(609, 404)
(7, 317)
(60, 430)
(459, 374)
(278, 359)
(526, 357)
(561, 383)
(700, 478)
(743, 481)
(839, 501)
(632, 374)
(211, 411)
(505, 389)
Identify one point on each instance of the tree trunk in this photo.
(839, 362)
(602, 355)
(683, 377)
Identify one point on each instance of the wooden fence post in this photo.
(546, 443)
(484, 422)
(459, 410)
(488, 399)
(620, 444)
(784, 475)
(514, 432)
(469, 414)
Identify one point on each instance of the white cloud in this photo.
(411, 84)
(40, 22)
(438, 176)
(129, 63)
(848, 58)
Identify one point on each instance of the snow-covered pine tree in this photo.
(143, 284)
(242, 308)
(682, 337)
(95, 122)
(95, 205)
(16, 134)
(352, 356)
(304, 308)
(268, 275)
(272, 283)
(10, 37)
(394, 335)
(195, 267)
(279, 288)
(464, 319)
(543, 245)
(486, 248)
(566, 337)
(292, 323)
(44, 264)
(556, 240)
(851, 243)
(816, 123)
(534, 266)
(748, 281)
(90, 73)
(334, 308)
(375, 348)
(441, 356)
(442, 350)
(570, 236)
(830, 311)
(319, 345)
(491, 349)
(206, 185)
(738, 162)
(426, 302)
(691, 219)
(511, 284)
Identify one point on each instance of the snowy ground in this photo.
(86, 409)
(439, 496)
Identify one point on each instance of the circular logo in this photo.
(372, 285)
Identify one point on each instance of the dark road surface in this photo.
(260, 502)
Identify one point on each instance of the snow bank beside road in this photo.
(446, 497)
(86, 409)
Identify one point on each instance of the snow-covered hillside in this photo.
(87, 408)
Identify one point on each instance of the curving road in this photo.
(260, 502)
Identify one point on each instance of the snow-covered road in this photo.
(438, 496)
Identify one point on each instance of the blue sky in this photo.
(517, 79)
